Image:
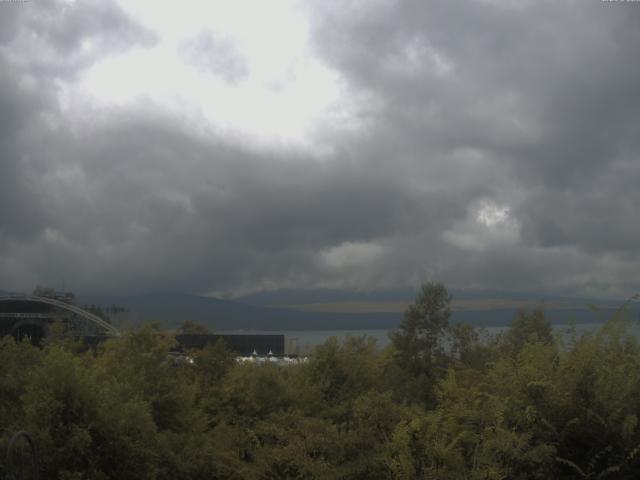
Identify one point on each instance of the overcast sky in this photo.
(222, 147)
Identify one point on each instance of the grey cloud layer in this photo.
(50, 39)
(534, 108)
(216, 55)
(546, 94)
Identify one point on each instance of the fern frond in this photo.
(598, 456)
(633, 453)
(605, 473)
(575, 467)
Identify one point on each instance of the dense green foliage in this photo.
(440, 402)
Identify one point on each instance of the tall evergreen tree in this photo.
(418, 340)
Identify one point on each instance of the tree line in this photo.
(442, 401)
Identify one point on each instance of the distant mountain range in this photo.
(337, 309)
(317, 296)
(172, 309)
(324, 309)
(307, 296)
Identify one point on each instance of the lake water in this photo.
(307, 339)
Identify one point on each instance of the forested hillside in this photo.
(522, 405)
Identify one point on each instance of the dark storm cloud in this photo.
(52, 38)
(39, 42)
(219, 216)
(546, 95)
(18, 214)
(501, 150)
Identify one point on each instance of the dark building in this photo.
(239, 344)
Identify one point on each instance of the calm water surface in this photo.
(307, 339)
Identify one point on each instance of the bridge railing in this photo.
(42, 316)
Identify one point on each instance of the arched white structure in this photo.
(108, 328)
